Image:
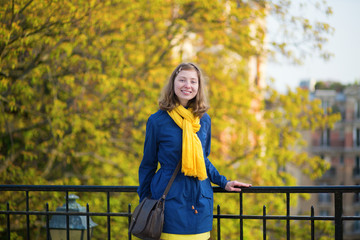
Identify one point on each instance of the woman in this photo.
(181, 130)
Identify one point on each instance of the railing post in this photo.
(87, 222)
(129, 220)
(67, 216)
(241, 217)
(8, 220)
(108, 217)
(288, 216)
(47, 222)
(264, 223)
(27, 216)
(338, 215)
(312, 224)
(218, 222)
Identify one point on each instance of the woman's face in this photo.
(186, 85)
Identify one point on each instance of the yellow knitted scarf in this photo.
(193, 163)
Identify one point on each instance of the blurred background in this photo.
(342, 67)
(79, 79)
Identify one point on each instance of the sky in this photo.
(343, 67)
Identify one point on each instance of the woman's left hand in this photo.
(235, 186)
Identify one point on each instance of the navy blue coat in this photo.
(189, 203)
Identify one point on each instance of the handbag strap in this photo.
(167, 189)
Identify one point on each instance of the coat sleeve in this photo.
(149, 162)
(212, 172)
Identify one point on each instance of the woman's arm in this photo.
(213, 173)
(149, 162)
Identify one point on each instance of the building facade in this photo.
(339, 146)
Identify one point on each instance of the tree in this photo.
(78, 80)
(329, 85)
(296, 36)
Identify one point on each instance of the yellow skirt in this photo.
(169, 236)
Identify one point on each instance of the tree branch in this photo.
(9, 160)
(8, 130)
(25, 129)
(25, 6)
(24, 109)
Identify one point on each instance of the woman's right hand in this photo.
(235, 186)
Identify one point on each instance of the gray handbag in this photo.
(148, 217)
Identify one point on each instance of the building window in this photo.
(325, 105)
(324, 198)
(357, 223)
(356, 137)
(342, 159)
(357, 197)
(324, 213)
(357, 166)
(325, 137)
(357, 109)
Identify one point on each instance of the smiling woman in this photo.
(181, 131)
(186, 86)
(172, 95)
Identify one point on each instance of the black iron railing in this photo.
(336, 191)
